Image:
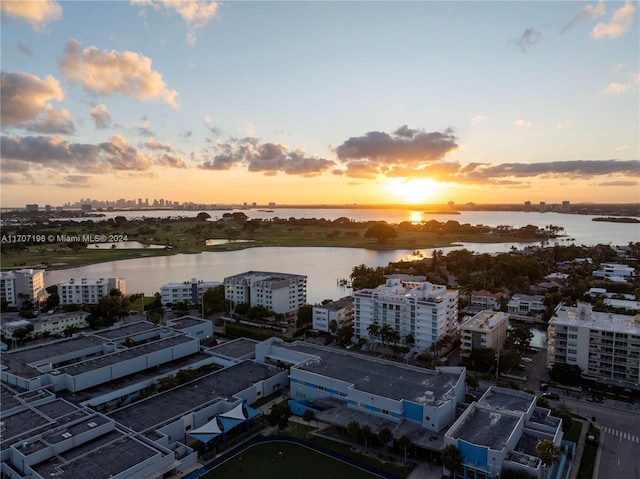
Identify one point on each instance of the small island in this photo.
(617, 219)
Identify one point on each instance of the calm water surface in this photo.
(324, 266)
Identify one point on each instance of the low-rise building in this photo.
(487, 329)
(500, 431)
(340, 311)
(46, 324)
(486, 299)
(605, 346)
(278, 292)
(88, 291)
(620, 273)
(526, 305)
(186, 292)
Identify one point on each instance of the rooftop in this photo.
(218, 386)
(124, 354)
(485, 426)
(339, 304)
(508, 399)
(572, 316)
(383, 378)
(237, 349)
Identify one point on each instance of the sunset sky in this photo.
(303, 102)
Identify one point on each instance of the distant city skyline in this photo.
(320, 102)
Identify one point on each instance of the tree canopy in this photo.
(381, 232)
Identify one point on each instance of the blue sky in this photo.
(320, 102)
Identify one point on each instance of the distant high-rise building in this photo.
(542, 207)
(33, 208)
(527, 205)
(566, 206)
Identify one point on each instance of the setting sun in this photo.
(414, 191)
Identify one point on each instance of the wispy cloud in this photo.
(615, 88)
(528, 38)
(587, 13)
(476, 120)
(617, 26)
(37, 13)
(195, 13)
(107, 72)
(520, 123)
(622, 148)
(561, 125)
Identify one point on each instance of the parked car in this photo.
(553, 396)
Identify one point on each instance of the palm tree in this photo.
(451, 459)
(353, 429)
(548, 452)
(308, 415)
(365, 432)
(405, 443)
(385, 333)
(385, 436)
(373, 329)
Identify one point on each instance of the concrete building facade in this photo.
(89, 291)
(187, 292)
(421, 309)
(487, 329)
(605, 346)
(340, 311)
(22, 285)
(46, 324)
(278, 292)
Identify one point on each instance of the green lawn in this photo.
(266, 462)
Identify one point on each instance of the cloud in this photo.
(528, 38)
(381, 153)
(267, 158)
(26, 49)
(615, 88)
(522, 123)
(107, 72)
(563, 124)
(588, 12)
(622, 147)
(170, 161)
(58, 153)
(195, 13)
(572, 169)
(476, 120)
(37, 13)
(24, 103)
(619, 183)
(101, 116)
(77, 181)
(154, 144)
(617, 26)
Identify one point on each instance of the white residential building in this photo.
(526, 305)
(22, 285)
(423, 310)
(615, 272)
(187, 292)
(486, 299)
(88, 291)
(487, 329)
(47, 324)
(605, 346)
(278, 292)
(340, 311)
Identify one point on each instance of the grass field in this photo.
(190, 237)
(279, 460)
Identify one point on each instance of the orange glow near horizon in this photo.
(414, 191)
